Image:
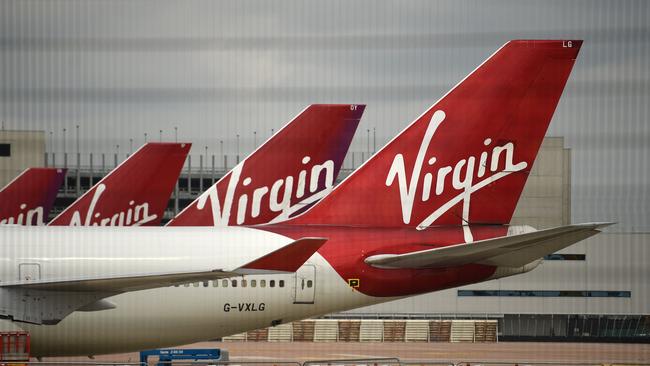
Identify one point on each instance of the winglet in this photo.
(286, 259)
(595, 225)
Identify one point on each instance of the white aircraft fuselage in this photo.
(174, 316)
(171, 315)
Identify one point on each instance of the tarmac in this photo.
(517, 352)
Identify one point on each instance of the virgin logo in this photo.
(135, 215)
(464, 176)
(25, 217)
(277, 199)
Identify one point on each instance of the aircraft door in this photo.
(29, 271)
(305, 284)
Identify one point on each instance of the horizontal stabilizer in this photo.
(509, 251)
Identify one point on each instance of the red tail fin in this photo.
(27, 199)
(135, 193)
(466, 159)
(294, 168)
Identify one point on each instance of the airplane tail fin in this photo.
(135, 193)
(466, 159)
(28, 198)
(293, 169)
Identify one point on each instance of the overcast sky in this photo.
(214, 69)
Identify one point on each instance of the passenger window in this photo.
(206, 283)
(281, 283)
(224, 283)
(309, 284)
(253, 283)
(244, 283)
(234, 283)
(215, 283)
(262, 283)
(186, 285)
(272, 283)
(196, 284)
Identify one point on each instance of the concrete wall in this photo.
(27, 150)
(546, 199)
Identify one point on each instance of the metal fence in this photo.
(197, 175)
(335, 362)
(540, 327)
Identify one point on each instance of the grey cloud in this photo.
(120, 69)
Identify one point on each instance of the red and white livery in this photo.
(28, 199)
(295, 168)
(427, 212)
(135, 193)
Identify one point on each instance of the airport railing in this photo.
(333, 362)
(381, 361)
(546, 363)
(69, 363)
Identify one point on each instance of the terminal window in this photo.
(544, 293)
(5, 149)
(564, 257)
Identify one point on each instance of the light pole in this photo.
(374, 140)
(78, 180)
(145, 137)
(77, 138)
(223, 158)
(237, 148)
(130, 146)
(368, 147)
(254, 139)
(65, 154)
(204, 168)
(65, 161)
(160, 139)
(175, 133)
(52, 149)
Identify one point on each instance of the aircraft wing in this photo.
(49, 301)
(509, 251)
